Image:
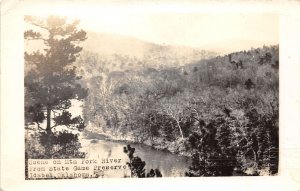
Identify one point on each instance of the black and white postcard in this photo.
(148, 90)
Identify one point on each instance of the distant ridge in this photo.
(230, 46)
(108, 44)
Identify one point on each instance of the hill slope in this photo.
(105, 53)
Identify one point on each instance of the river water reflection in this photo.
(98, 147)
(170, 165)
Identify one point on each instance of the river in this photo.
(99, 147)
(169, 164)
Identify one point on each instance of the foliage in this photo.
(51, 83)
(222, 111)
(60, 145)
(137, 165)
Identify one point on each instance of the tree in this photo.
(137, 165)
(249, 84)
(213, 152)
(51, 81)
(174, 111)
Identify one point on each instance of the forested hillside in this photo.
(222, 111)
(85, 91)
(105, 54)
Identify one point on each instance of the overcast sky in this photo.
(232, 31)
(196, 30)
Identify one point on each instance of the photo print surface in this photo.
(144, 95)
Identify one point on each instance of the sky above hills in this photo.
(223, 32)
(196, 30)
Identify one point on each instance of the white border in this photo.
(12, 93)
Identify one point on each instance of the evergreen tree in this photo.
(51, 83)
(213, 154)
(137, 165)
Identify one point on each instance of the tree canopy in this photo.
(51, 82)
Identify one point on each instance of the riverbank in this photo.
(97, 146)
(176, 147)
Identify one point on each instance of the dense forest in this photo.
(220, 111)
